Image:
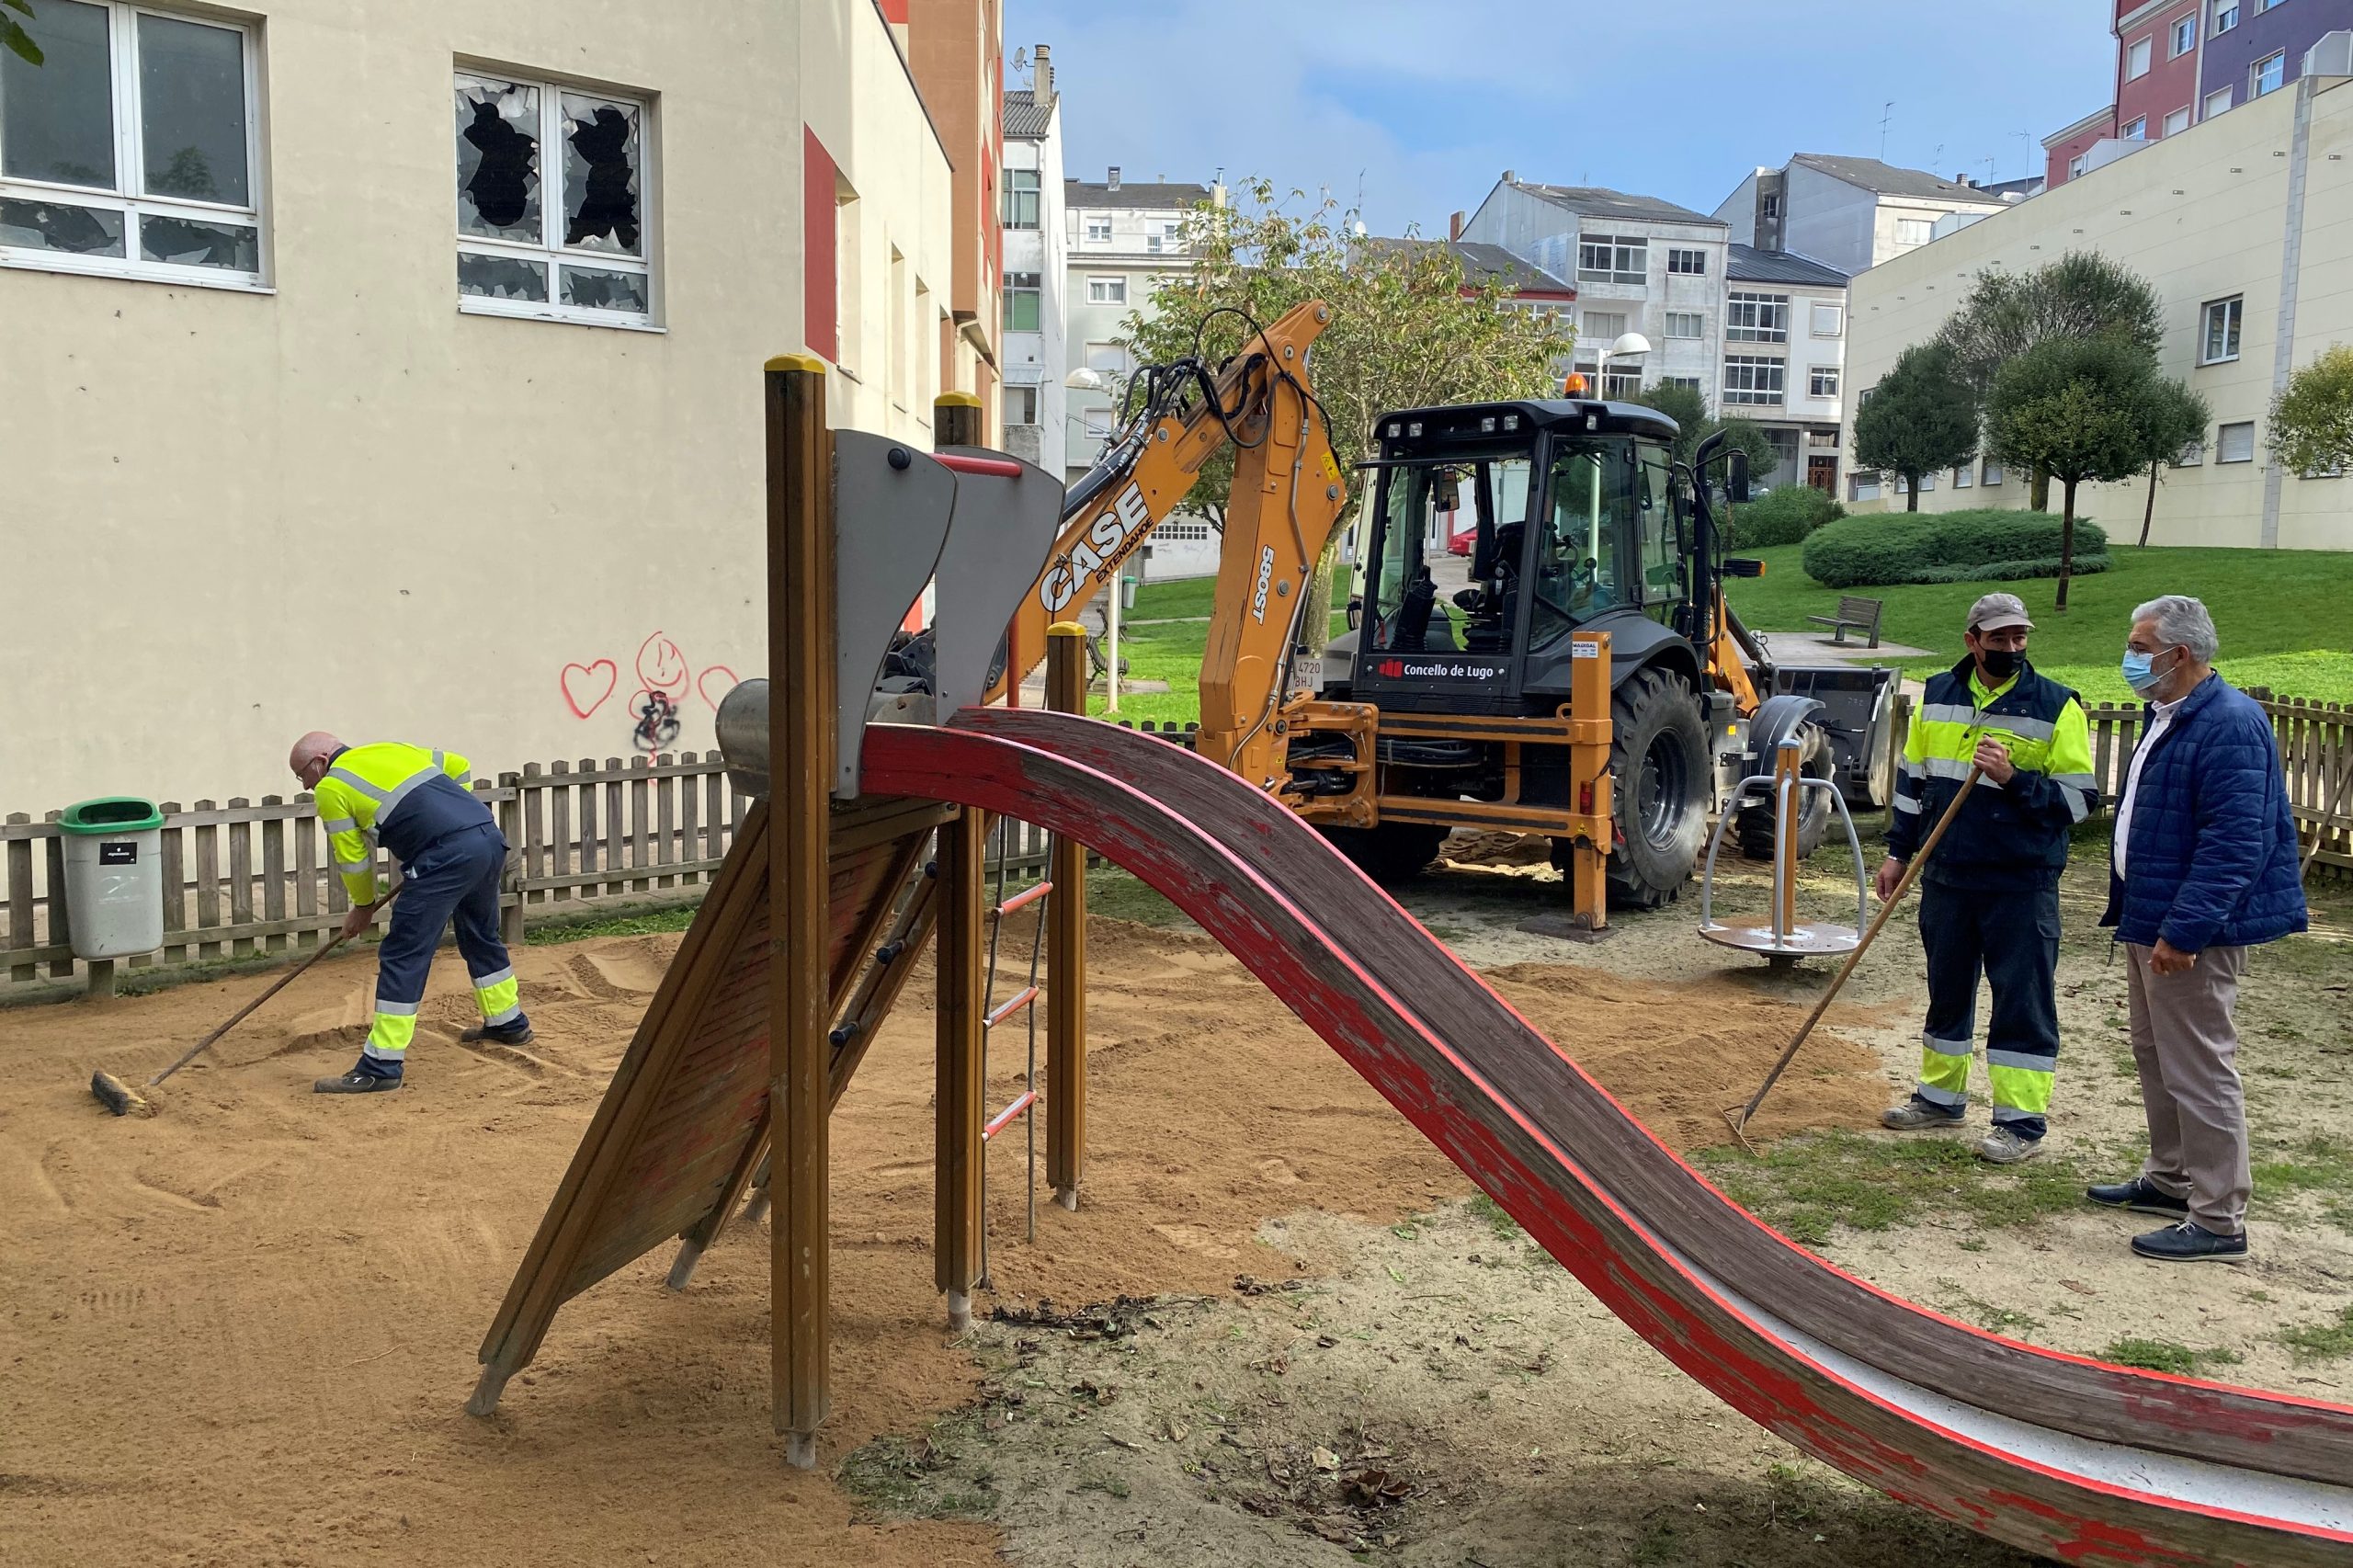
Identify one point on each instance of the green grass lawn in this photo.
(1172, 651)
(2285, 616)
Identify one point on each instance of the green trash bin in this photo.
(114, 876)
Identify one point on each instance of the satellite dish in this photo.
(1021, 60)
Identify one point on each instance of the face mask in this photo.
(1999, 662)
(2140, 672)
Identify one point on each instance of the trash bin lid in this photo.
(109, 814)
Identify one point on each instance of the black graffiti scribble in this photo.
(657, 722)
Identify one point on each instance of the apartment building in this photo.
(1638, 265)
(2240, 225)
(2180, 63)
(438, 420)
(955, 49)
(1123, 237)
(1847, 213)
(1035, 342)
(1785, 356)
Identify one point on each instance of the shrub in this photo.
(1782, 517)
(1948, 547)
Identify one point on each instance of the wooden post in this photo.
(958, 1095)
(1589, 777)
(1066, 947)
(1789, 802)
(510, 881)
(956, 420)
(801, 763)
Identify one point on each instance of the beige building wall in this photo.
(231, 516)
(2204, 215)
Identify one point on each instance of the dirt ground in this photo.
(243, 1331)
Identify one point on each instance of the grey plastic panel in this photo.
(892, 506)
(1004, 529)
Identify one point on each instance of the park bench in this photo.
(1861, 615)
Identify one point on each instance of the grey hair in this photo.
(2182, 622)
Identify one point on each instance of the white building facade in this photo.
(1847, 213)
(1035, 345)
(1785, 357)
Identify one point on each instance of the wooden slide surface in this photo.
(2087, 1462)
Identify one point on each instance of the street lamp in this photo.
(1083, 380)
(1632, 345)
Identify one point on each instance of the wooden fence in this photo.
(2315, 742)
(244, 880)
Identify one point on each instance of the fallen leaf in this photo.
(2079, 1287)
(1326, 1459)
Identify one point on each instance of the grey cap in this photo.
(1996, 610)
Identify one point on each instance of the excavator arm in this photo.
(1286, 498)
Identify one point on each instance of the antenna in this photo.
(1888, 114)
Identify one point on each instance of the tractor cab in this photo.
(1569, 514)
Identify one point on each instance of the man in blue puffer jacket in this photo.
(2204, 865)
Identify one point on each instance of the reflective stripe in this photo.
(2027, 1060)
(1944, 1047)
(1946, 1098)
(1907, 803)
(484, 982)
(360, 784)
(1908, 768)
(2003, 1113)
(339, 824)
(405, 787)
(1956, 769)
(2078, 808)
(500, 997)
(389, 1036)
(2024, 728)
(2024, 1089)
(492, 1020)
(387, 1007)
(2083, 781)
(355, 867)
(1948, 714)
(462, 777)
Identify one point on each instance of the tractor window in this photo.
(1655, 515)
(1579, 565)
(1406, 617)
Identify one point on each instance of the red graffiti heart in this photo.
(582, 692)
(716, 683)
(662, 667)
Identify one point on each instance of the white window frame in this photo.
(552, 253)
(1107, 358)
(1590, 327)
(1113, 290)
(2174, 41)
(2138, 130)
(2140, 57)
(2179, 120)
(1695, 320)
(1676, 255)
(2229, 96)
(2191, 456)
(1754, 371)
(2076, 167)
(1925, 228)
(1089, 225)
(1035, 191)
(1629, 258)
(1012, 284)
(2222, 441)
(1821, 381)
(130, 172)
(2226, 16)
(1990, 474)
(1863, 484)
(1964, 476)
(1837, 314)
(1693, 382)
(1753, 316)
(2254, 88)
(2232, 315)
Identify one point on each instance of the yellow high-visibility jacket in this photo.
(400, 796)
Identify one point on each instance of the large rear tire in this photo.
(1658, 760)
(1390, 852)
(1754, 823)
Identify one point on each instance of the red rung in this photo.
(1029, 1097)
(1025, 896)
(1002, 468)
(1020, 999)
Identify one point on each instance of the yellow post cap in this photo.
(956, 400)
(1065, 629)
(808, 362)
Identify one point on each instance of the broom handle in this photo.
(239, 1016)
(1902, 887)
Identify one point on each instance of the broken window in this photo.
(130, 149)
(575, 251)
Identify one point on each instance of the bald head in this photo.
(311, 756)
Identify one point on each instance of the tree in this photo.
(1687, 406)
(2078, 409)
(1921, 417)
(13, 37)
(1409, 327)
(2312, 419)
(2082, 295)
(2175, 416)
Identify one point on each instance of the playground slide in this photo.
(2085, 1463)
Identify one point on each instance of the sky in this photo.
(1418, 106)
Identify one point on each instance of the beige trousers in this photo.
(2184, 1043)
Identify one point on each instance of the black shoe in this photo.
(516, 1033)
(2190, 1241)
(2139, 1196)
(359, 1081)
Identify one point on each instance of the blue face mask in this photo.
(2139, 674)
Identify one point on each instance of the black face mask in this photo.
(1999, 662)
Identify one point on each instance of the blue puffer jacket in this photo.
(2213, 860)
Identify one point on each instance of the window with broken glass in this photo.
(129, 150)
(560, 234)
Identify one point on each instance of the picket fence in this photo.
(245, 879)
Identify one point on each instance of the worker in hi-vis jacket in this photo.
(1989, 895)
(414, 802)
